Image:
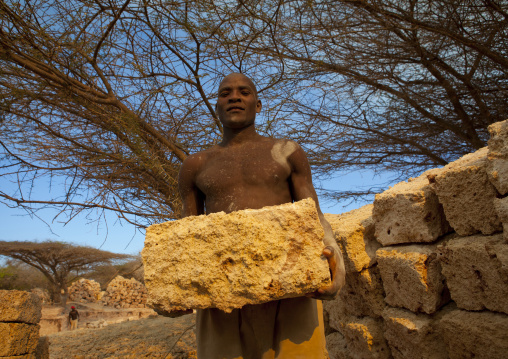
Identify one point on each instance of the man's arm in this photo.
(192, 198)
(301, 188)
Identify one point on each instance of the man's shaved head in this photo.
(238, 74)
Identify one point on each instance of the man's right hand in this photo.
(172, 313)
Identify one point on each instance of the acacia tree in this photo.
(108, 97)
(56, 260)
(397, 85)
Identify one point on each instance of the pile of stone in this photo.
(426, 265)
(20, 313)
(43, 295)
(84, 291)
(125, 293)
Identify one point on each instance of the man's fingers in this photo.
(328, 252)
(172, 313)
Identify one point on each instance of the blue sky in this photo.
(123, 237)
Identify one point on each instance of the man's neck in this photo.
(237, 136)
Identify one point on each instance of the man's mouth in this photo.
(235, 108)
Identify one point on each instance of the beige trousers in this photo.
(284, 329)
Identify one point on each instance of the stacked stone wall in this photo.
(125, 293)
(84, 291)
(427, 265)
(20, 313)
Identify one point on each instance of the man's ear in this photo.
(259, 105)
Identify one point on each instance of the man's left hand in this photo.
(338, 275)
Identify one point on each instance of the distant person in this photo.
(73, 318)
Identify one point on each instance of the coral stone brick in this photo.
(412, 277)
(226, 261)
(18, 338)
(497, 165)
(409, 212)
(467, 195)
(19, 306)
(476, 271)
(479, 335)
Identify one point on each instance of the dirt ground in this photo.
(159, 337)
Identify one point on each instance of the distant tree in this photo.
(20, 276)
(7, 276)
(56, 260)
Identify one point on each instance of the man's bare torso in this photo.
(253, 174)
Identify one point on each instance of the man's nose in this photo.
(235, 97)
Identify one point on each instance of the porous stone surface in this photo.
(354, 232)
(42, 350)
(479, 335)
(362, 295)
(365, 339)
(467, 195)
(409, 212)
(413, 336)
(412, 278)
(476, 271)
(497, 165)
(336, 346)
(18, 338)
(501, 206)
(226, 261)
(19, 306)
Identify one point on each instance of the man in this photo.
(73, 318)
(247, 170)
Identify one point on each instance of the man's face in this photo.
(237, 104)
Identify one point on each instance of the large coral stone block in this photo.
(226, 261)
(412, 277)
(467, 195)
(18, 338)
(479, 335)
(362, 295)
(365, 339)
(409, 212)
(414, 336)
(476, 271)
(497, 165)
(354, 232)
(19, 306)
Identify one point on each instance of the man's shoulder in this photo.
(279, 142)
(283, 148)
(201, 156)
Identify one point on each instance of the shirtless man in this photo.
(247, 170)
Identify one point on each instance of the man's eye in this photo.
(245, 93)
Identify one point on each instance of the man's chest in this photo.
(227, 171)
